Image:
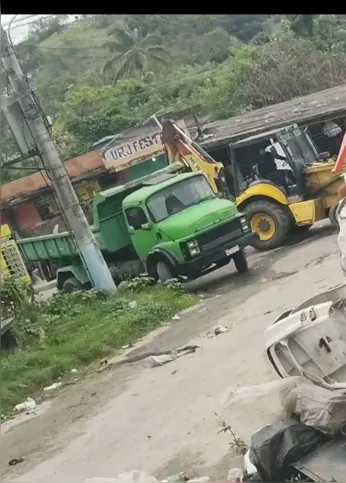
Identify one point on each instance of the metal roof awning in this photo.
(316, 107)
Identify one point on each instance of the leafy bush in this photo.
(16, 295)
(137, 284)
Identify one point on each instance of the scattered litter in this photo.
(134, 476)
(188, 349)
(52, 387)
(254, 407)
(142, 477)
(201, 479)
(316, 406)
(133, 304)
(74, 371)
(174, 372)
(154, 361)
(249, 467)
(177, 478)
(176, 317)
(274, 448)
(160, 359)
(15, 461)
(25, 406)
(235, 475)
(219, 329)
(127, 346)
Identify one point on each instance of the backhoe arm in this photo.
(181, 148)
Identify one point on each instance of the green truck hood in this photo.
(197, 218)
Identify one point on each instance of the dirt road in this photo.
(162, 420)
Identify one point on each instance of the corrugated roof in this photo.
(28, 185)
(318, 106)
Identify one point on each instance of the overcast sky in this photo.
(20, 27)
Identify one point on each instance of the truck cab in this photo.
(180, 227)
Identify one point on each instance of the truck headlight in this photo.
(244, 224)
(193, 247)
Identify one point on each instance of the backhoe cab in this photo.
(283, 184)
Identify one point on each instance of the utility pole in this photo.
(88, 248)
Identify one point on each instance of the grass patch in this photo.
(70, 331)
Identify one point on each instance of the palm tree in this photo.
(134, 53)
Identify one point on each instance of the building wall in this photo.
(26, 215)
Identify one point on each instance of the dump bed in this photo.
(48, 247)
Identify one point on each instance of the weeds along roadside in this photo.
(70, 331)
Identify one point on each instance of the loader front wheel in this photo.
(270, 221)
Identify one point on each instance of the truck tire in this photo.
(240, 262)
(164, 271)
(71, 284)
(271, 222)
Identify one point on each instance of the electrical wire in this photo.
(20, 19)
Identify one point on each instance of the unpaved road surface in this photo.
(162, 420)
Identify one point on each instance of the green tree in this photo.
(302, 24)
(134, 54)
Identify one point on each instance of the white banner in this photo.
(129, 149)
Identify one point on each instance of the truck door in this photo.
(141, 231)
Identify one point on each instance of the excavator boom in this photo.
(181, 148)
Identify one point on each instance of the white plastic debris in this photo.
(133, 304)
(200, 479)
(25, 406)
(52, 387)
(134, 476)
(176, 317)
(250, 468)
(217, 330)
(100, 480)
(74, 371)
(154, 361)
(235, 475)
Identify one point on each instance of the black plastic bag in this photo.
(274, 448)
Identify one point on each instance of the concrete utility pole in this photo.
(90, 252)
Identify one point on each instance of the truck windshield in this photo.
(179, 196)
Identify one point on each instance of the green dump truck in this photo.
(168, 224)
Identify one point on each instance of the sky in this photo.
(20, 27)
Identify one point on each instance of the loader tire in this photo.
(270, 221)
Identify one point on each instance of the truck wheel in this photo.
(270, 221)
(71, 285)
(164, 271)
(240, 262)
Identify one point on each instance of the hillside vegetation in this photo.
(103, 73)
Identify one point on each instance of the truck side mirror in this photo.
(146, 226)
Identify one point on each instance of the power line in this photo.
(16, 20)
(29, 23)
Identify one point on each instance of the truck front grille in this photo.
(219, 235)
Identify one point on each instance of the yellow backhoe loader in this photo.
(304, 191)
